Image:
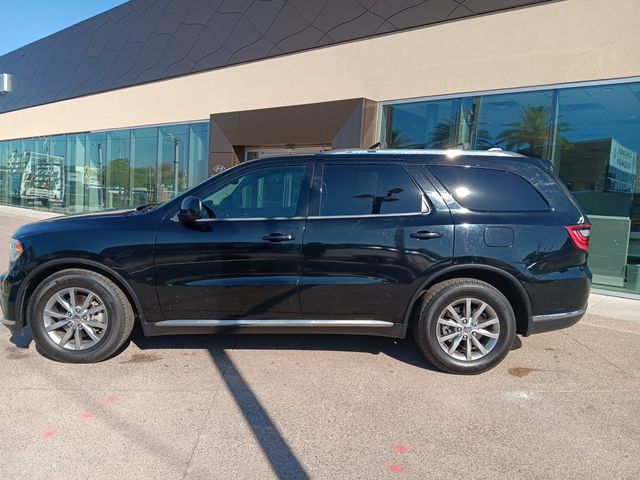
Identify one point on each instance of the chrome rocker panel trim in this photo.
(293, 326)
(274, 323)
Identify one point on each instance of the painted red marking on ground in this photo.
(86, 415)
(48, 432)
(400, 448)
(110, 400)
(395, 468)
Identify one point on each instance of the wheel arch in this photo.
(40, 273)
(508, 285)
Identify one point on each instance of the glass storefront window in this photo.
(16, 169)
(437, 124)
(144, 153)
(95, 172)
(5, 190)
(118, 169)
(519, 122)
(198, 153)
(598, 160)
(56, 155)
(92, 171)
(75, 173)
(591, 135)
(173, 144)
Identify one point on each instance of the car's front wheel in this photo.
(79, 316)
(465, 326)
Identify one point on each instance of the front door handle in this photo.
(425, 235)
(278, 237)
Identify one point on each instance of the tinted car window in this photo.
(490, 190)
(270, 192)
(368, 190)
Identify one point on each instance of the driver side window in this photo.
(267, 193)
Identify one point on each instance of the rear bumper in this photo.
(558, 299)
(554, 321)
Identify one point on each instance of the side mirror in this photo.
(190, 210)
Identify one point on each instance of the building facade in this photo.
(146, 100)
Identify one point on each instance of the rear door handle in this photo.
(425, 235)
(278, 237)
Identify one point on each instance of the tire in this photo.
(79, 316)
(437, 328)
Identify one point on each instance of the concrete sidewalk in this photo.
(614, 307)
(26, 214)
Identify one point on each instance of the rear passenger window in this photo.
(368, 190)
(490, 190)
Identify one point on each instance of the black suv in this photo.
(465, 249)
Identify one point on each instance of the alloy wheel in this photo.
(468, 329)
(75, 318)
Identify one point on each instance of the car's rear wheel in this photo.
(465, 326)
(79, 316)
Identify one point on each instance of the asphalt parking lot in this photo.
(563, 405)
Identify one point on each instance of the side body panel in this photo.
(369, 267)
(534, 247)
(234, 268)
(226, 270)
(118, 244)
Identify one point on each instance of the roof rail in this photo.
(496, 152)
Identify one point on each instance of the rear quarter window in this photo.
(488, 190)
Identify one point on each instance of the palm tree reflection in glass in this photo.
(532, 134)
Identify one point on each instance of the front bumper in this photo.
(554, 321)
(10, 324)
(4, 306)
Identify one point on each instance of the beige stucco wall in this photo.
(565, 41)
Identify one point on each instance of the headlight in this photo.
(15, 250)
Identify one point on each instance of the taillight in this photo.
(580, 235)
